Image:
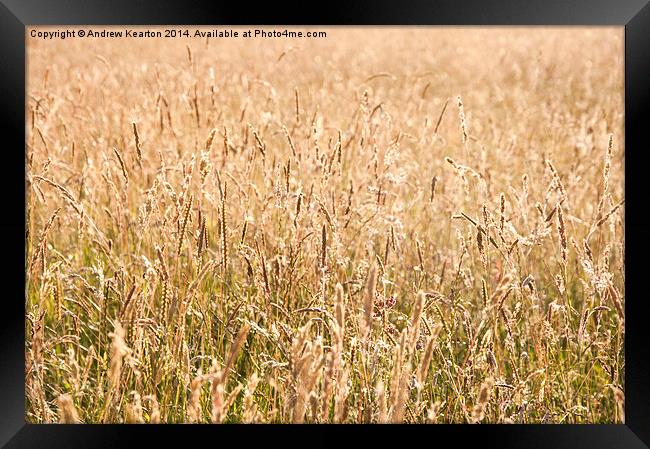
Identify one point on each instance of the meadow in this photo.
(420, 225)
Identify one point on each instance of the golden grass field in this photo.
(383, 225)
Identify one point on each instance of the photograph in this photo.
(325, 224)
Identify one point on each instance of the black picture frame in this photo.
(16, 15)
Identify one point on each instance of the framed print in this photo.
(354, 221)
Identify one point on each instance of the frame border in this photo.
(16, 15)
